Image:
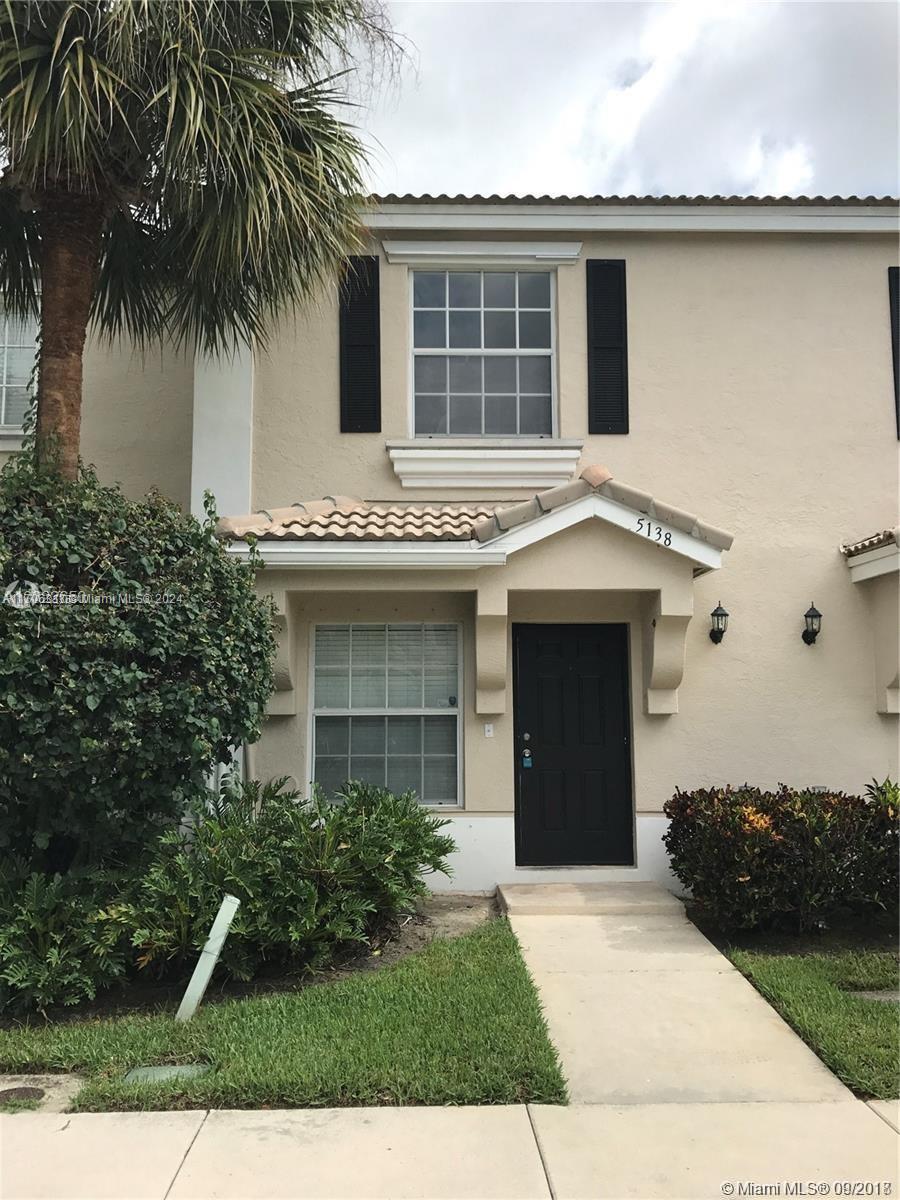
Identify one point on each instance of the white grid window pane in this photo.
(18, 345)
(441, 666)
(367, 735)
(404, 775)
(331, 773)
(404, 672)
(332, 677)
(507, 317)
(368, 666)
(404, 656)
(439, 780)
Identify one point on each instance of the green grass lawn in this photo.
(457, 1023)
(858, 1039)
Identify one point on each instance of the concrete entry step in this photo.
(587, 899)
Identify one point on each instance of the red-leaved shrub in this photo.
(754, 858)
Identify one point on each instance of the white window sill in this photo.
(10, 438)
(448, 462)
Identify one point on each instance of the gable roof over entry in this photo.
(370, 533)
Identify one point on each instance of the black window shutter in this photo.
(894, 293)
(607, 346)
(360, 347)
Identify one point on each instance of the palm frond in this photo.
(18, 257)
(210, 134)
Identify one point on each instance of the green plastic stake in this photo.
(209, 956)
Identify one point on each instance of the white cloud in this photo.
(688, 96)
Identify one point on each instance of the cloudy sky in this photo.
(696, 96)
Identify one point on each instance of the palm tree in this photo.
(170, 168)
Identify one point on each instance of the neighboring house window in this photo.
(482, 351)
(18, 341)
(386, 708)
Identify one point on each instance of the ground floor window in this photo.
(386, 708)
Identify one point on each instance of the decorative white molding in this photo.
(883, 560)
(283, 701)
(491, 635)
(222, 439)
(664, 656)
(484, 463)
(879, 570)
(705, 556)
(478, 253)
(10, 438)
(633, 218)
(375, 556)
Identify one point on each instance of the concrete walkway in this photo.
(643, 1009)
(684, 1085)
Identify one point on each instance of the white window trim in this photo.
(10, 435)
(313, 712)
(488, 440)
(509, 255)
(484, 462)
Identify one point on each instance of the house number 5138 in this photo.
(655, 532)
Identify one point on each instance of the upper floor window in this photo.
(18, 341)
(483, 353)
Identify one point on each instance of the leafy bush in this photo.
(311, 876)
(111, 714)
(753, 858)
(56, 945)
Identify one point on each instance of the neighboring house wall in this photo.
(136, 425)
(761, 397)
(136, 418)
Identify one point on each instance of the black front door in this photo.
(573, 759)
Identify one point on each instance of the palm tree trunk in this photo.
(71, 228)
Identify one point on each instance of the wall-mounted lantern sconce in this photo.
(813, 619)
(719, 622)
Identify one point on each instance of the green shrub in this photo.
(112, 714)
(753, 858)
(56, 945)
(311, 876)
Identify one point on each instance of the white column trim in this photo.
(222, 439)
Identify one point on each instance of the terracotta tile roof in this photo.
(597, 479)
(600, 201)
(887, 537)
(342, 518)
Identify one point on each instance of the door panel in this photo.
(572, 724)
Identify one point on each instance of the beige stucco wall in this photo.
(731, 338)
(761, 706)
(136, 418)
(761, 399)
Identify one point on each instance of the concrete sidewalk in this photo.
(684, 1085)
(583, 1152)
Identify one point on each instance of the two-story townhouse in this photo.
(505, 472)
